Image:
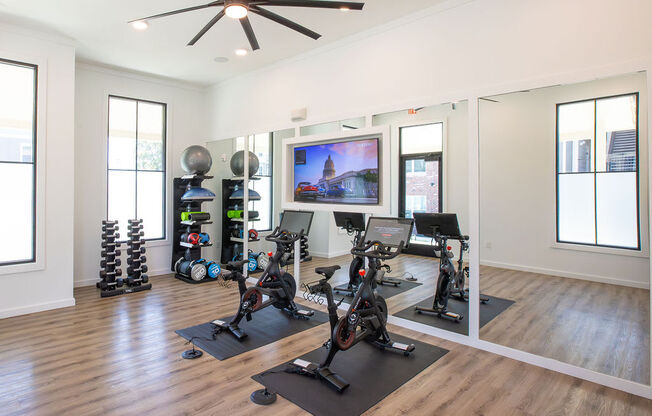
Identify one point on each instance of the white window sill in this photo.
(22, 267)
(602, 250)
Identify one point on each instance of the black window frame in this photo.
(418, 249)
(136, 170)
(35, 68)
(595, 172)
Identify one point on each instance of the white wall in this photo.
(51, 286)
(517, 186)
(186, 121)
(434, 58)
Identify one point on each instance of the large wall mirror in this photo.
(564, 248)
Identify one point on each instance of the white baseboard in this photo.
(570, 275)
(91, 282)
(39, 307)
(329, 255)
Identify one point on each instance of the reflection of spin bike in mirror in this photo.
(451, 281)
(278, 285)
(353, 223)
(366, 317)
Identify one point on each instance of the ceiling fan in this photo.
(239, 9)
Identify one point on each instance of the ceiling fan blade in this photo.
(188, 9)
(249, 31)
(285, 22)
(351, 5)
(206, 28)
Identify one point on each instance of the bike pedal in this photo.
(302, 312)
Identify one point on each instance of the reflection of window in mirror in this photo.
(261, 146)
(597, 185)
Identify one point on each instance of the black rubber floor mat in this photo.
(267, 326)
(488, 311)
(373, 374)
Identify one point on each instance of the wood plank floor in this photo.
(120, 356)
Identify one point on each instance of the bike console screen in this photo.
(389, 231)
(295, 221)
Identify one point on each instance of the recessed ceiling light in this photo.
(344, 9)
(235, 10)
(139, 25)
(241, 52)
(221, 59)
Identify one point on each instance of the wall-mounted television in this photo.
(343, 172)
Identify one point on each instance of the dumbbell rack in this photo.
(110, 282)
(136, 277)
(230, 244)
(305, 254)
(185, 250)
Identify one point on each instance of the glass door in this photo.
(420, 186)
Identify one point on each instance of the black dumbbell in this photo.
(110, 227)
(104, 273)
(132, 234)
(111, 253)
(114, 263)
(110, 235)
(141, 269)
(107, 222)
(144, 278)
(135, 221)
(106, 244)
(131, 251)
(141, 259)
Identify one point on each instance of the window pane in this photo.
(264, 206)
(422, 139)
(576, 208)
(262, 149)
(150, 136)
(16, 112)
(617, 209)
(616, 134)
(16, 213)
(575, 132)
(122, 133)
(150, 203)
(122, 198)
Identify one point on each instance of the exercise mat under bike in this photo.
(488, 311)
(267, 326)
(373, 374)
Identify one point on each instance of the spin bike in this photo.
(278, 285)
(366, 317)
(451, 281)
(353, 223)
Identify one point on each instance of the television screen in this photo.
(337, 173)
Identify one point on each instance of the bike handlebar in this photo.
(381, 251)
(284, 236)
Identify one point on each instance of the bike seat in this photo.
(236, 265)
(327, 272)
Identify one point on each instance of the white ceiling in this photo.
(100, 30)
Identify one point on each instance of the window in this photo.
(414, 203)
(597, 172)
(17, 162)
(415, 166)
(136, 164)
(261, 145)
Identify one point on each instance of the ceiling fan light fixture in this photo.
(241, 52)
(236, 10)
(140, 25)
